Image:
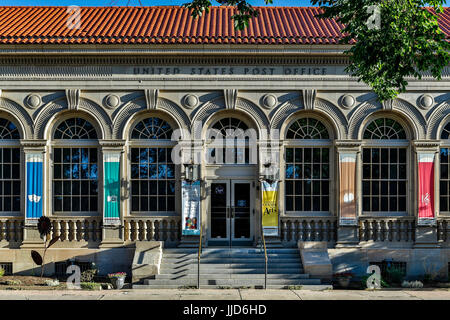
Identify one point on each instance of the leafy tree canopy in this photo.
(391, 39)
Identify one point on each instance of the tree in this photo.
(391, 39)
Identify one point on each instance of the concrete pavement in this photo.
(226, 294)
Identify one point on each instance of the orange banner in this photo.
(347, 188)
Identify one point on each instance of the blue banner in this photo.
(34, 181)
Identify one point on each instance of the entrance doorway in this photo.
(231, 213)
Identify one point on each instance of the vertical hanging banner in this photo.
(347, 189)
(270, 208)
(34, 184)
(426, 188)
(191, 207)
(111, 188)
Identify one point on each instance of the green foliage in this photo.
(394, 275)
(2, 272)
(406, 43)
(90, 286)
(384, 284)
(88, 275)
(245, 10)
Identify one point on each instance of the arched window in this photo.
(384, 178)
(75, 128)
(234, 146)
(384, 128)
(152, 169)
(307, 169)
(444, 183)
(10, 180)
(152, 128)
(307, 128)
(75, 169)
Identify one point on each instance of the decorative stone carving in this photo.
(190, 101)
(151, 97)
(388, 104)
(24, 121)
(111, 101)
(347, 101)
(269, 101)
(309, 98)
(425, 101)
(73, 98)
(230, 96)
(33, 100)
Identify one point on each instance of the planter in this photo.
(118, 283)
(344, 282)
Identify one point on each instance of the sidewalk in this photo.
(227, 294)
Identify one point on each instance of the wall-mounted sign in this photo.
(111, 188)
(426, 188)
(270, 208)
(347, 189)
(34, 185)
(191, 207)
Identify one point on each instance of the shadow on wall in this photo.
(107, 260)
(419, 262)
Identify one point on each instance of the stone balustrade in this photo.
(375, 229)
(11, 230)
(166, 229)
(294, 229)
(77, 229)
(443, 230)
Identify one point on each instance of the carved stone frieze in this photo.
(230, 96)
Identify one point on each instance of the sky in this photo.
(132, 2)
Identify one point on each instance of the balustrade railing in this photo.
(443, 230)
(73, 229)
(11, 230)
(294, 229)
(166, 229)
(387, 229)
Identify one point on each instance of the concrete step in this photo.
(230, 271)
(233, 256)
(236, 276)
(232, 265)
(231, 260)
(234, 249)
(231, 282)
(319, 287)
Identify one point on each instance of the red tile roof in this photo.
(170, 25)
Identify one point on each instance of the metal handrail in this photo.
(199, 256)
(265, 256)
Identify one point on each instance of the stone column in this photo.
(348, 156)
(35, 190)
(426, 193)
(113, 221)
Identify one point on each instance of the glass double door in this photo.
(231, 213)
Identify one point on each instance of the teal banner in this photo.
(112, 189)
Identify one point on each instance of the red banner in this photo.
(426, 186)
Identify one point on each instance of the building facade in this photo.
(79, 103)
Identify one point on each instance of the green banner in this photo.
(112, 189)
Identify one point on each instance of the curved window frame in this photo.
(211, 146)
(11, 144)
(380, 144)
(151, 144)
(309, 144)
(444, 173)
(72, 144)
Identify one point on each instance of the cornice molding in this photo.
(33, 144)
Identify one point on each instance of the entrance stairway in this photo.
(231, 268)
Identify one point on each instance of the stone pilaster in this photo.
(348, 157)
(33, 205)
(113, 221)
(426, 193)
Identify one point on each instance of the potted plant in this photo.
(117, 279)
(343, 278)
